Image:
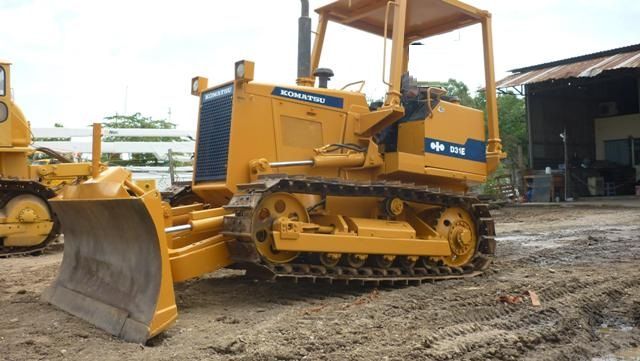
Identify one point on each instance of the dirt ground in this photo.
(583, 263)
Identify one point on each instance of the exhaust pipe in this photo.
(304, 41)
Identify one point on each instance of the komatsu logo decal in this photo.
(320, 99)
(217, 93)
(472, 149)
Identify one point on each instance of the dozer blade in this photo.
(115, 272)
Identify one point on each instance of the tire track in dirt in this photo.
(588, 284)
(517, 330)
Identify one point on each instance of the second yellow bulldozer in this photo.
(312, 184)
(27, 223)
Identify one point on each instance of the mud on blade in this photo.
(114, 272)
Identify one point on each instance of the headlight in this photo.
(198, 85)
(244, 71)
(194, 87)
(4, 112)
(240, 70)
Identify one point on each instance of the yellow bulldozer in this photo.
(311, 184)
(27, 223)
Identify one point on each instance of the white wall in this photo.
(614, 128)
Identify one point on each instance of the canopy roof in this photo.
(424, 17)
(584, 66)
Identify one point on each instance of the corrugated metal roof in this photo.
(580, 67)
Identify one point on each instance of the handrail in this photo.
(384, 48)
(361, 82)
(439, 93)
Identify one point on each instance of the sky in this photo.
(78, 61)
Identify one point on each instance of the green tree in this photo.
(480, 101)
(512, 117)
(513, 125)
(513, 132)
(137, 121)
(457, 89)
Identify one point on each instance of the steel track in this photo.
(243, 250)
(12, 188)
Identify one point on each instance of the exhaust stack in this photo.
(304, 43)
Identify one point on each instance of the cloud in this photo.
(74, 60)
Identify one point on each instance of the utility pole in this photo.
(566, 164)
(172, 171)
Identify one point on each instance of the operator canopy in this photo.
(424, 17)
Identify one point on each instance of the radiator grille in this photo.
(213, 134)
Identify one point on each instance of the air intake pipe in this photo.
(304, 42)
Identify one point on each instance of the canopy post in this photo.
(494, 144)
(397, 52)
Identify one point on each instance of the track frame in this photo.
(243, 250)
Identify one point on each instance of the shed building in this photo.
(596, 99)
